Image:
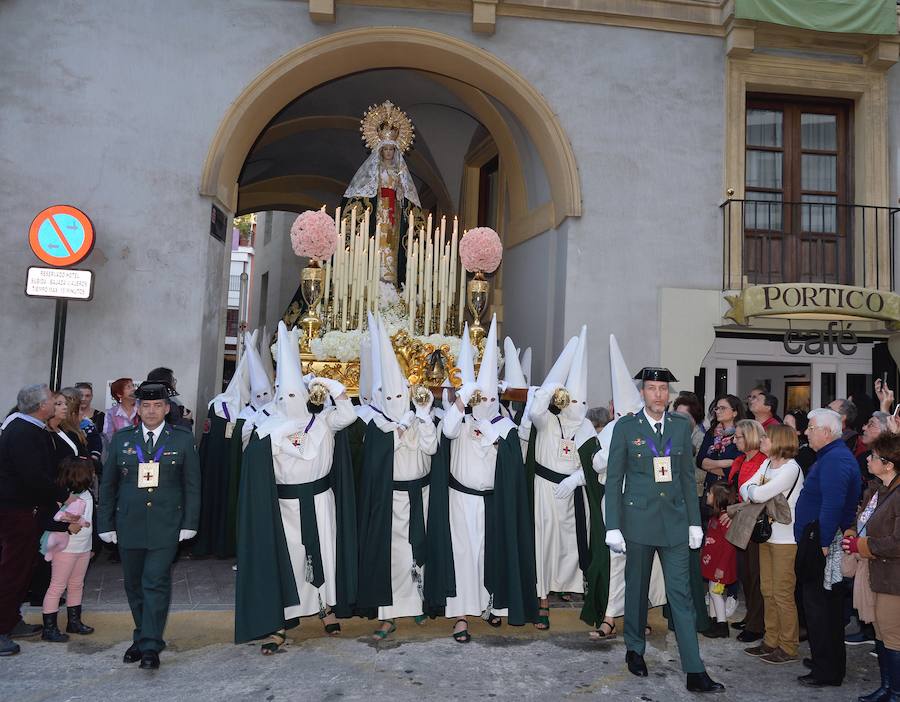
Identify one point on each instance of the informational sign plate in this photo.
(61, 235)
(61, 284)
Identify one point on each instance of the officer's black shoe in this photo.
(75, 625)
(636, 664)
(50, 630)
(811, 681)
(701, 682)
(132, 655)
(149, 660)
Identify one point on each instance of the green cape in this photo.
(375, 513)
(265, 577)
(509, 541)
(596, 594)
(220, 461)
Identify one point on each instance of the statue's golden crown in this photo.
(387, 122)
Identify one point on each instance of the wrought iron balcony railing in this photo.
(770, 241)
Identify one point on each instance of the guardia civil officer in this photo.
(650, 453)
(150, 501)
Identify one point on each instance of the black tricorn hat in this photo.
(661, 374)
(154, 390)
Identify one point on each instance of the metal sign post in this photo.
(60, 236)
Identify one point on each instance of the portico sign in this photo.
(804, 299)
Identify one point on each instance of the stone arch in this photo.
(356, 50)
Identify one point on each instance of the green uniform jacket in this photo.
(265, 576)
(648, 512)
(148, 518)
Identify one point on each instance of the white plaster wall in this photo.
(116, 114)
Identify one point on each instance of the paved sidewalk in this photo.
(418, 663)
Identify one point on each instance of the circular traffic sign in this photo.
(61, 235)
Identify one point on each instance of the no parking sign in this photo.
(61, 235)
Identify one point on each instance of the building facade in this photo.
(642, 161)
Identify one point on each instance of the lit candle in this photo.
(429, 272)
(420, 268)
(453, 254)
(462, 299)
(445, 270)
(413, 292)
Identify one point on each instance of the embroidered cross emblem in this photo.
(566, 450)
(662, 470)
(148, 475)
(478, 432)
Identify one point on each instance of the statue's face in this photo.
(387, 153)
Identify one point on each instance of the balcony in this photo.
(769, 241)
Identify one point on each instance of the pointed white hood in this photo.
(291, 398)
(525, 364)
(626, 396)
(265, 354)
(376, 398)
(466, 360)
(487, 378)
(394, 385)
(576, 382)
(365, 369)
(260, 385)
(559, 373)
(513, 376)
(229, 403)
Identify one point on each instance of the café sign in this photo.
(798, 300)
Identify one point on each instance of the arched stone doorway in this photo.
(539, 180)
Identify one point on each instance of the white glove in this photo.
(407, 419)
(186, 534)
(615, 541)
(695, 537)
(501, 386)
(599, 462)
(109, 537)
(565, 488)
(466, 391)
(445, 399)
(335, 389)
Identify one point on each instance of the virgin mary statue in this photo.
(384, 179)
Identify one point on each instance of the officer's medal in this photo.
(148, 471)
(662, 465)
(148, 474)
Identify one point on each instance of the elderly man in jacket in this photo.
(825, 508)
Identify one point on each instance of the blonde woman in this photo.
(779, 474)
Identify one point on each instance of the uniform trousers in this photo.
(148, 585)
(675, 562)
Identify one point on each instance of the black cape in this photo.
(265, 577)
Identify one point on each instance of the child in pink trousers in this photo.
(70, 554)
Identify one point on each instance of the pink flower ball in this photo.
(480, 250)
(314, 235)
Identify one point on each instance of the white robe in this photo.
(615, 606)
(555, 536)
(310, 462)
(412, 460)
(473, 465)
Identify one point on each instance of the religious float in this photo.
(382, 254)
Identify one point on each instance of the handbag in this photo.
(762, 528)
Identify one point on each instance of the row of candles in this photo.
(431, 277)
(435, 278)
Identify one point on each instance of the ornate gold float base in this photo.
(345, 372)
